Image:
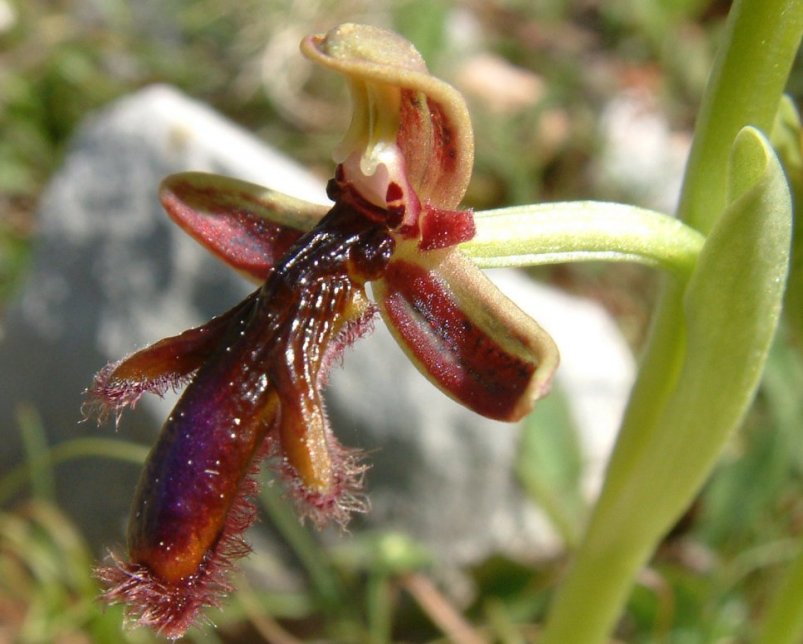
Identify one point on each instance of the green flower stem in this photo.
(745, 88)
(582, 231)
(323, 578)
(379, 599)
(35, 440)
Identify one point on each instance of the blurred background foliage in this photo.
(570, 99)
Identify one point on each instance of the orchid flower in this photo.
(254, 374)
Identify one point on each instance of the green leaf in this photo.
(35, 440)
(784, 621)
(731, 306)
(734, 298)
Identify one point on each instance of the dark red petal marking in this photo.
(161, 366)
(230, 221)
(444, 228)
(428, 141)
(472, 357)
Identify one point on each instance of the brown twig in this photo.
(440, 610)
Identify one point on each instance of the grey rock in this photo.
(111, 274)
(641, 157)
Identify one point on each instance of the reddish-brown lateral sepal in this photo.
(247, 226)
(464, 335)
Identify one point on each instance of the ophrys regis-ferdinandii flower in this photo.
(255, 373)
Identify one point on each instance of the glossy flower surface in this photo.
(255, 373)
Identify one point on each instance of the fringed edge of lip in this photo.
(344, 496)
(108, 396)
(171, 609)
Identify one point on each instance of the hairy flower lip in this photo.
(172, 608)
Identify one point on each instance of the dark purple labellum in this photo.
(256, 391)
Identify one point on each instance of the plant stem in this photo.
(605, 565)
(439, 610)
(109, 448)
(747, 81)
(379, 607)
(35, 441)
